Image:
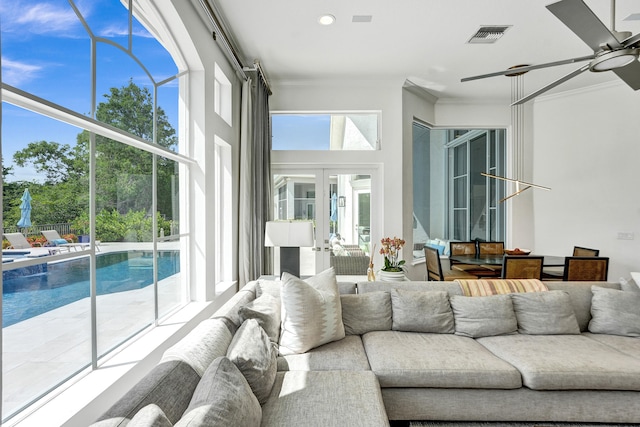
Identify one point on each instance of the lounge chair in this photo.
(54, 239)
(18, 241)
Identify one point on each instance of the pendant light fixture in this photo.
(517, 125)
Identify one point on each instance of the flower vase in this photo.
(391, 276)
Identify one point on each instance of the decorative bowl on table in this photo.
(517, 251)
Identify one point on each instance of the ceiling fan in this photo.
(613, 51)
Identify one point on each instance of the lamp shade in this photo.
(288, 234)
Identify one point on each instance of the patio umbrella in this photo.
(334, 207)
(25, 207)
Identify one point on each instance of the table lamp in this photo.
(289, 236)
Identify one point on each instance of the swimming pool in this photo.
(30, 291)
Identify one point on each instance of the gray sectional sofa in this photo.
(401, 351)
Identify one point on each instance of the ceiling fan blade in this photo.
(630, 74)
(529, 68)
(632, 41)
(576, 15)
(552, 85)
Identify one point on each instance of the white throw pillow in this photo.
(311, 312)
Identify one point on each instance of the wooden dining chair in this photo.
(522, 267)
(462, 248)
(435, 271)
(491, 248)
(580, 251)
(556, 273)
(585, 269)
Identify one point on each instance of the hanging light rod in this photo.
(518, 183)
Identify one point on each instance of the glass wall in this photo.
(90, 132)
(451, 199)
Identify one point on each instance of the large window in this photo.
(325, 131)
(90, 114)
(451, 199)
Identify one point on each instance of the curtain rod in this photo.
(260, 71)
(218, 30)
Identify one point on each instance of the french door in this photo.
(341, 202)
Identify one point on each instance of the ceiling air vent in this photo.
(489, 34)
(361, 18)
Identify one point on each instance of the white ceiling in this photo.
(424, 41)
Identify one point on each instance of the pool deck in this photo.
(41, 352)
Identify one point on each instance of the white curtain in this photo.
(255, 181)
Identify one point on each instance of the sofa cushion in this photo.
(253, 353)
(566, 362)
(615, 312)
(415, 311)
(483, 316)
(229, 312)
(346, 354)
(545, 313)
(169, 385)
(366, 312)
(266, 310)
(311, 312)
(325, 399)
(452, 288)
(206, 342)
(409, 359)
(485, 287)
(626, 345)
(150, 416)
(223, 398)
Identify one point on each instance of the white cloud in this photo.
(38, 18)
(120, 31)
(14, 72)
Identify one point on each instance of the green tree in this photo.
(124, 173)
(58, 162)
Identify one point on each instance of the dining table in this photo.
(548, 260)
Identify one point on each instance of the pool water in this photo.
(31, 291)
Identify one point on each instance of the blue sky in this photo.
(46, 51)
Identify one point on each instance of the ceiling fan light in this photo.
(613, 59)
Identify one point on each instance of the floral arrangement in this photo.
(391, 251)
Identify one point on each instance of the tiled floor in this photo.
(43, 351)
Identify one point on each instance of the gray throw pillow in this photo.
(615, 312)
(367, 312)
(271, 287)
(223, 398)
(421, 311)
(488, 316)
(545, 313)
(255, 355)
(266, 310)
(629, 285)
(150, 416)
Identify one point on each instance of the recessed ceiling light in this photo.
(326, 19)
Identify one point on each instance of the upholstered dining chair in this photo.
(589, 268)
(522, 267)
(435, 271)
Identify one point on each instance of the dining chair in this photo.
(462, 248)
(435, 271)
(491, 248)
(580, 251)
(556, 273)
(522, 267)
(584, 269)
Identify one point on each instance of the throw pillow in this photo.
(545, 313)
(418, 311)
(367, 312)
(222, 398)
(266, 310)
(150, 415)
(271, 287)
(59, 242)
(628, 286)
(488, 316)
(311, 312)
(615, 312)
(254, 354)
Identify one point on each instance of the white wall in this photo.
(587, 146)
